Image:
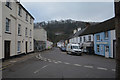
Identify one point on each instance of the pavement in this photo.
(58, 64)
(18, 59)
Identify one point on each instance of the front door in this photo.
(7, 49)
(26, 47)
(107, 51)
(114, 49)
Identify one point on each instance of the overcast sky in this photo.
(80, 11)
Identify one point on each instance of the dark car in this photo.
(63, 48)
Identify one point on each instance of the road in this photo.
(58, 64)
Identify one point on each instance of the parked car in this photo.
(74, 49)
(63, 48)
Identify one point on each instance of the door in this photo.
(107, 51)
(7, 49)
(114, 49)
(26, 47)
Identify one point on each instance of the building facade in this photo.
(40, 39)
(85, 41)
(105, 43)
(17, 30)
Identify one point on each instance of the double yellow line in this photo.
(4, 67)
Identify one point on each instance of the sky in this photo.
(79, 11)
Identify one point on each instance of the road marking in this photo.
(55, 62)
(48, 59)
(59, 61)
(66, 63)
(102, 68)
(77, 65)
(40, 69)
(88, 66)
(113, 70)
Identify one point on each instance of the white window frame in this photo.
(27, 17)
(89, 37)
(97, 37)
(30, 45)
(19, 29)
(30, 20)
(30, 33)
(8, 23)
(19, 46)
(26, 29)
(20, 11)
(8, 4)
(106, 34)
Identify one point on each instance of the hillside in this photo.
(60, 30)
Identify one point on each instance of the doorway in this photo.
(7, 49)
(26, 47)
(114, 49)
(107, 51)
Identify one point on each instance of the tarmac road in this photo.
(58, 64)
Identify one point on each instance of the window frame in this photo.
(26, 17)
(98, 48)
(30, 45)
(30, 33)
(84, 38)
(97, 37)
(19, 29)
(8, 24)
(19, 46)
(20, 11)
(26, 31)
(106, 36)
(30, 20)
(8, 4)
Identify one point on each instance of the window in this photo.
(98, 37)
(19, 29)
(107, 49)
(30, 33)
(89, 38)
(8, 4)
(7, 25)
(25, 31)
(19, 44)
(80, 39)
(30, 20)
(20, 11)
(84, 39)
(98, 48)
(106, 35)
(30, 45)
(26, 17)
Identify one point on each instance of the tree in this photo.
(117, 27)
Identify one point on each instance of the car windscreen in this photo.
(75, 47)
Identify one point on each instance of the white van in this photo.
(73, 49)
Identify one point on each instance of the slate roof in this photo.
(101, 27)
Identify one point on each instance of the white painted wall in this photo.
(40, 34)
(13, 37)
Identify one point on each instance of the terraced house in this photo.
(16, 29)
